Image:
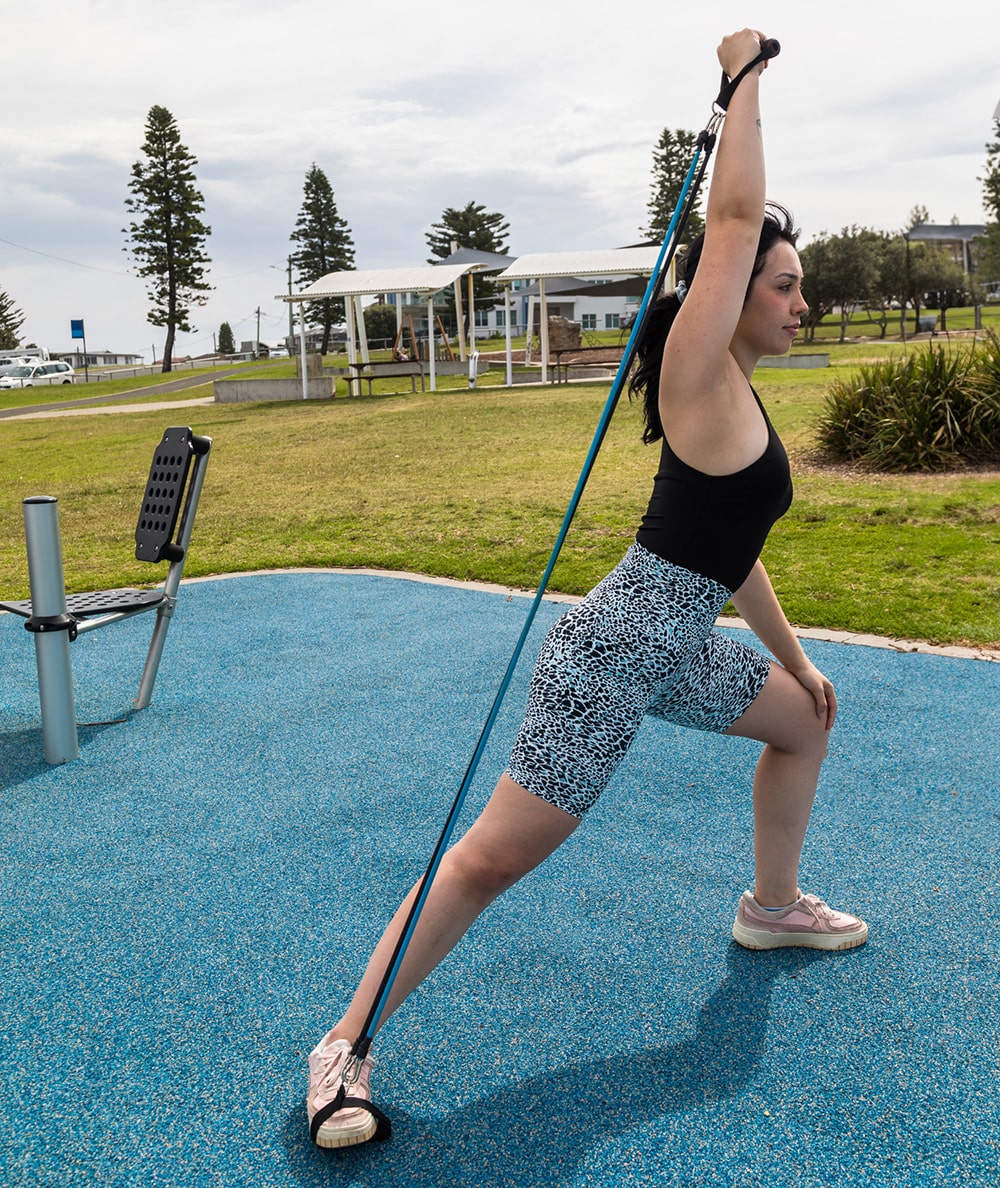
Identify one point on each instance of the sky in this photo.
(545, 112)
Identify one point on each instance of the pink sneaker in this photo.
(808, 924)
(353, 1124)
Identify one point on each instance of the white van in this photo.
(33, 375)
(9, 361)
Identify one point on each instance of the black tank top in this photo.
(716, 525)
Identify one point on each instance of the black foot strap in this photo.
(383, 1129)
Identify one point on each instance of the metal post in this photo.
(359, 317)
(48, 600)
(165, 611)
(506, 318)
(430, 342)
(543, 330)
(302, 349)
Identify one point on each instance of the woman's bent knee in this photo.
(784, 715)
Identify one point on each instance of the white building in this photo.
(600, 302)
(78, 359)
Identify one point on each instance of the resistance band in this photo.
(685, 203)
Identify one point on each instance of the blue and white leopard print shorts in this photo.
(641, 642)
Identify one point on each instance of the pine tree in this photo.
(671, 160)
(325, 245)
(167, 241)
(471, 227)
(227, 344)
(11, 321)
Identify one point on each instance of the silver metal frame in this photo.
(48, 601)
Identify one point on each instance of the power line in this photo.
(113, 271)
(62, 259)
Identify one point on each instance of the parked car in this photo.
(32, 375)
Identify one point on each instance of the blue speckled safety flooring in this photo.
(186, 908)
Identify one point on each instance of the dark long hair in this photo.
(645, 380)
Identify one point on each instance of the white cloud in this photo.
(547, 113)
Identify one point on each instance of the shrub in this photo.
(928, 411)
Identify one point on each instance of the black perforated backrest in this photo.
(161, 503)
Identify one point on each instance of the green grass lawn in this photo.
(474, 485)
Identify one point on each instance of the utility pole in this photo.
(256, 345)
(291, 322)
(291, 308)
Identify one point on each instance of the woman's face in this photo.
(773, 312)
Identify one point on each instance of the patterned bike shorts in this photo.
(641, 642)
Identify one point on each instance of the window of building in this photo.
(612, 321)
(588, 321)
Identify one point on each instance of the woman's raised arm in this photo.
(697, 367)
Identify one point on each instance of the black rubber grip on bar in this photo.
(768, 49)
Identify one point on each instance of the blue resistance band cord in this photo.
(685, 203)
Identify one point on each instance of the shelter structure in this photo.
(542, 266)
(488, 262)
(352, 287)
(957, 238)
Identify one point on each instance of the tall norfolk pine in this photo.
(325, 245)
(167, 240)
(671, 161)
(11, 321)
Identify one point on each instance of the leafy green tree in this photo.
(949, 288)
(841, 273)
(889, 292)
(471, 227)
(167, 240)
(671, 161)
(325, 245)
(988, 254)
(11, 321)
(380, 322)
(227, 344)
(930, 270)
(989, 248)
(991, 178)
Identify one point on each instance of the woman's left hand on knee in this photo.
(820, 689)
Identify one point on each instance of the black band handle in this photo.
(769, 48)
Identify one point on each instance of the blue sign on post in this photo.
(76, 328)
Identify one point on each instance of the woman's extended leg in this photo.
(513, 834)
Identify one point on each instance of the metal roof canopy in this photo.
(615, 261)
(543, 266)
(425, 281)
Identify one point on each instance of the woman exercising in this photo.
(643, 641)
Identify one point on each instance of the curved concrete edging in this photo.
(845, 637)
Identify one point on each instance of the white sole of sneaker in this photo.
(347, 1136)
(751, 939)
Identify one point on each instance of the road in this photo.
(177, 385)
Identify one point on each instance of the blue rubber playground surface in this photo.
(185, 909)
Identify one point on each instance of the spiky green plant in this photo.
(928, 411)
